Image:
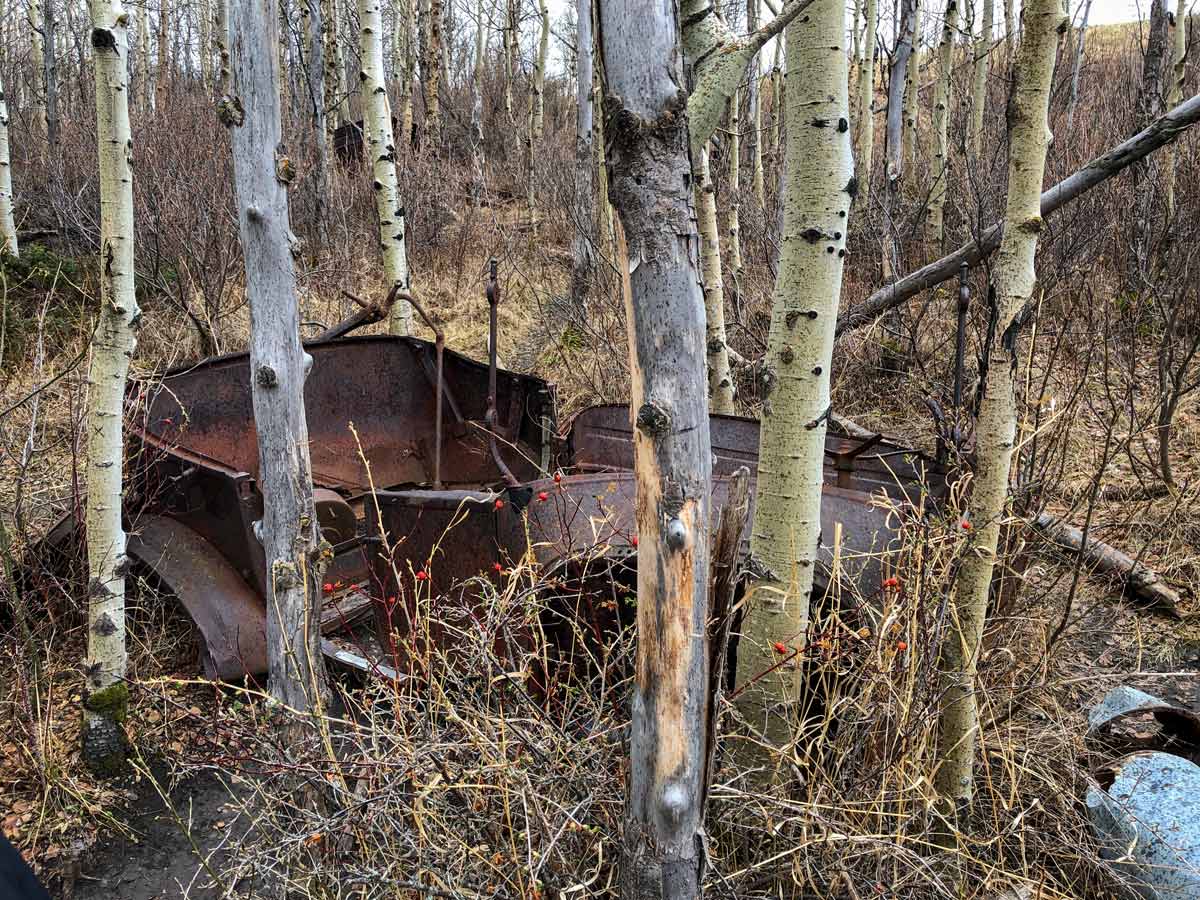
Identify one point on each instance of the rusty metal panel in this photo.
(229, 613)
(601, 438)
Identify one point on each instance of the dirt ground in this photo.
(166, 856)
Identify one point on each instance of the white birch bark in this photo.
(647, 114)
(206, 72)
(787, 520)
(941, 125)
(865, 127)
(754, 102)
(382, 149)
(288, 530)
(8, 225)
(979, 76)
(996, 427)
(106, 695)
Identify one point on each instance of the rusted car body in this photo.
(395, 498)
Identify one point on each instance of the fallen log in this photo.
(1141, 581)
(1158, 133)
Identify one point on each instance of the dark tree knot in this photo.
(652, 420)
(266, 377)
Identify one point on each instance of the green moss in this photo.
(111, 702)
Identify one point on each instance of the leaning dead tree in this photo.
(106, 695)
(1161, 132)
(382, 148)
(996, 425)
(647, 134)
(288, 530)
(786, 531)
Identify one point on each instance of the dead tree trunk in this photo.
(894, 134)
(647, 131)
(583, 246)
(278, 364)
(314, 37)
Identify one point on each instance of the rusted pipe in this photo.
(493, 299)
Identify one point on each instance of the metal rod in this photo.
(493, 299)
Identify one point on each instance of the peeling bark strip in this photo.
(996, 427)
(787, 520)
(295, 556)
(1162, 131)
(377, 112)
(647, 131)
(112, 346)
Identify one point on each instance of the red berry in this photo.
(901, 646)
(327, 588)
(891, 583)
(966, 526)
(422, 575)
(779, 648)
(499, 504)
(635, 540)
(558, 478)
(499, 568)
(543, 496)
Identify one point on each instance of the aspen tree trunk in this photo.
(720, 380)
(787, 521)
(202, 10)
(1140, 261)
(996, 427)
(8, 225)
(1010, 30)
(897, 79)
(735, 186)
(754, 104)
(163, 71)
(510, 55)
(648, 137)
(1176, 75)
(382, 151)
(912, 90)
(866, 97)
(431, 75)
(941, 125)
(583, 246)
(50, 81)
(294, 551)
(404, 64)
(37, 73)
(145, 97)
(106, 696)
(1087, 8)
(537, 90)
(1150, 97)
(477, 188)
(314, 38)
(224, 78)
(979, 77)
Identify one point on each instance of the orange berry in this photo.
(779, 648)
(901, 646)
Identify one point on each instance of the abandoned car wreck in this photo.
(408, 494)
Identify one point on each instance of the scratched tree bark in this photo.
(278, 364)
(645, 105)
